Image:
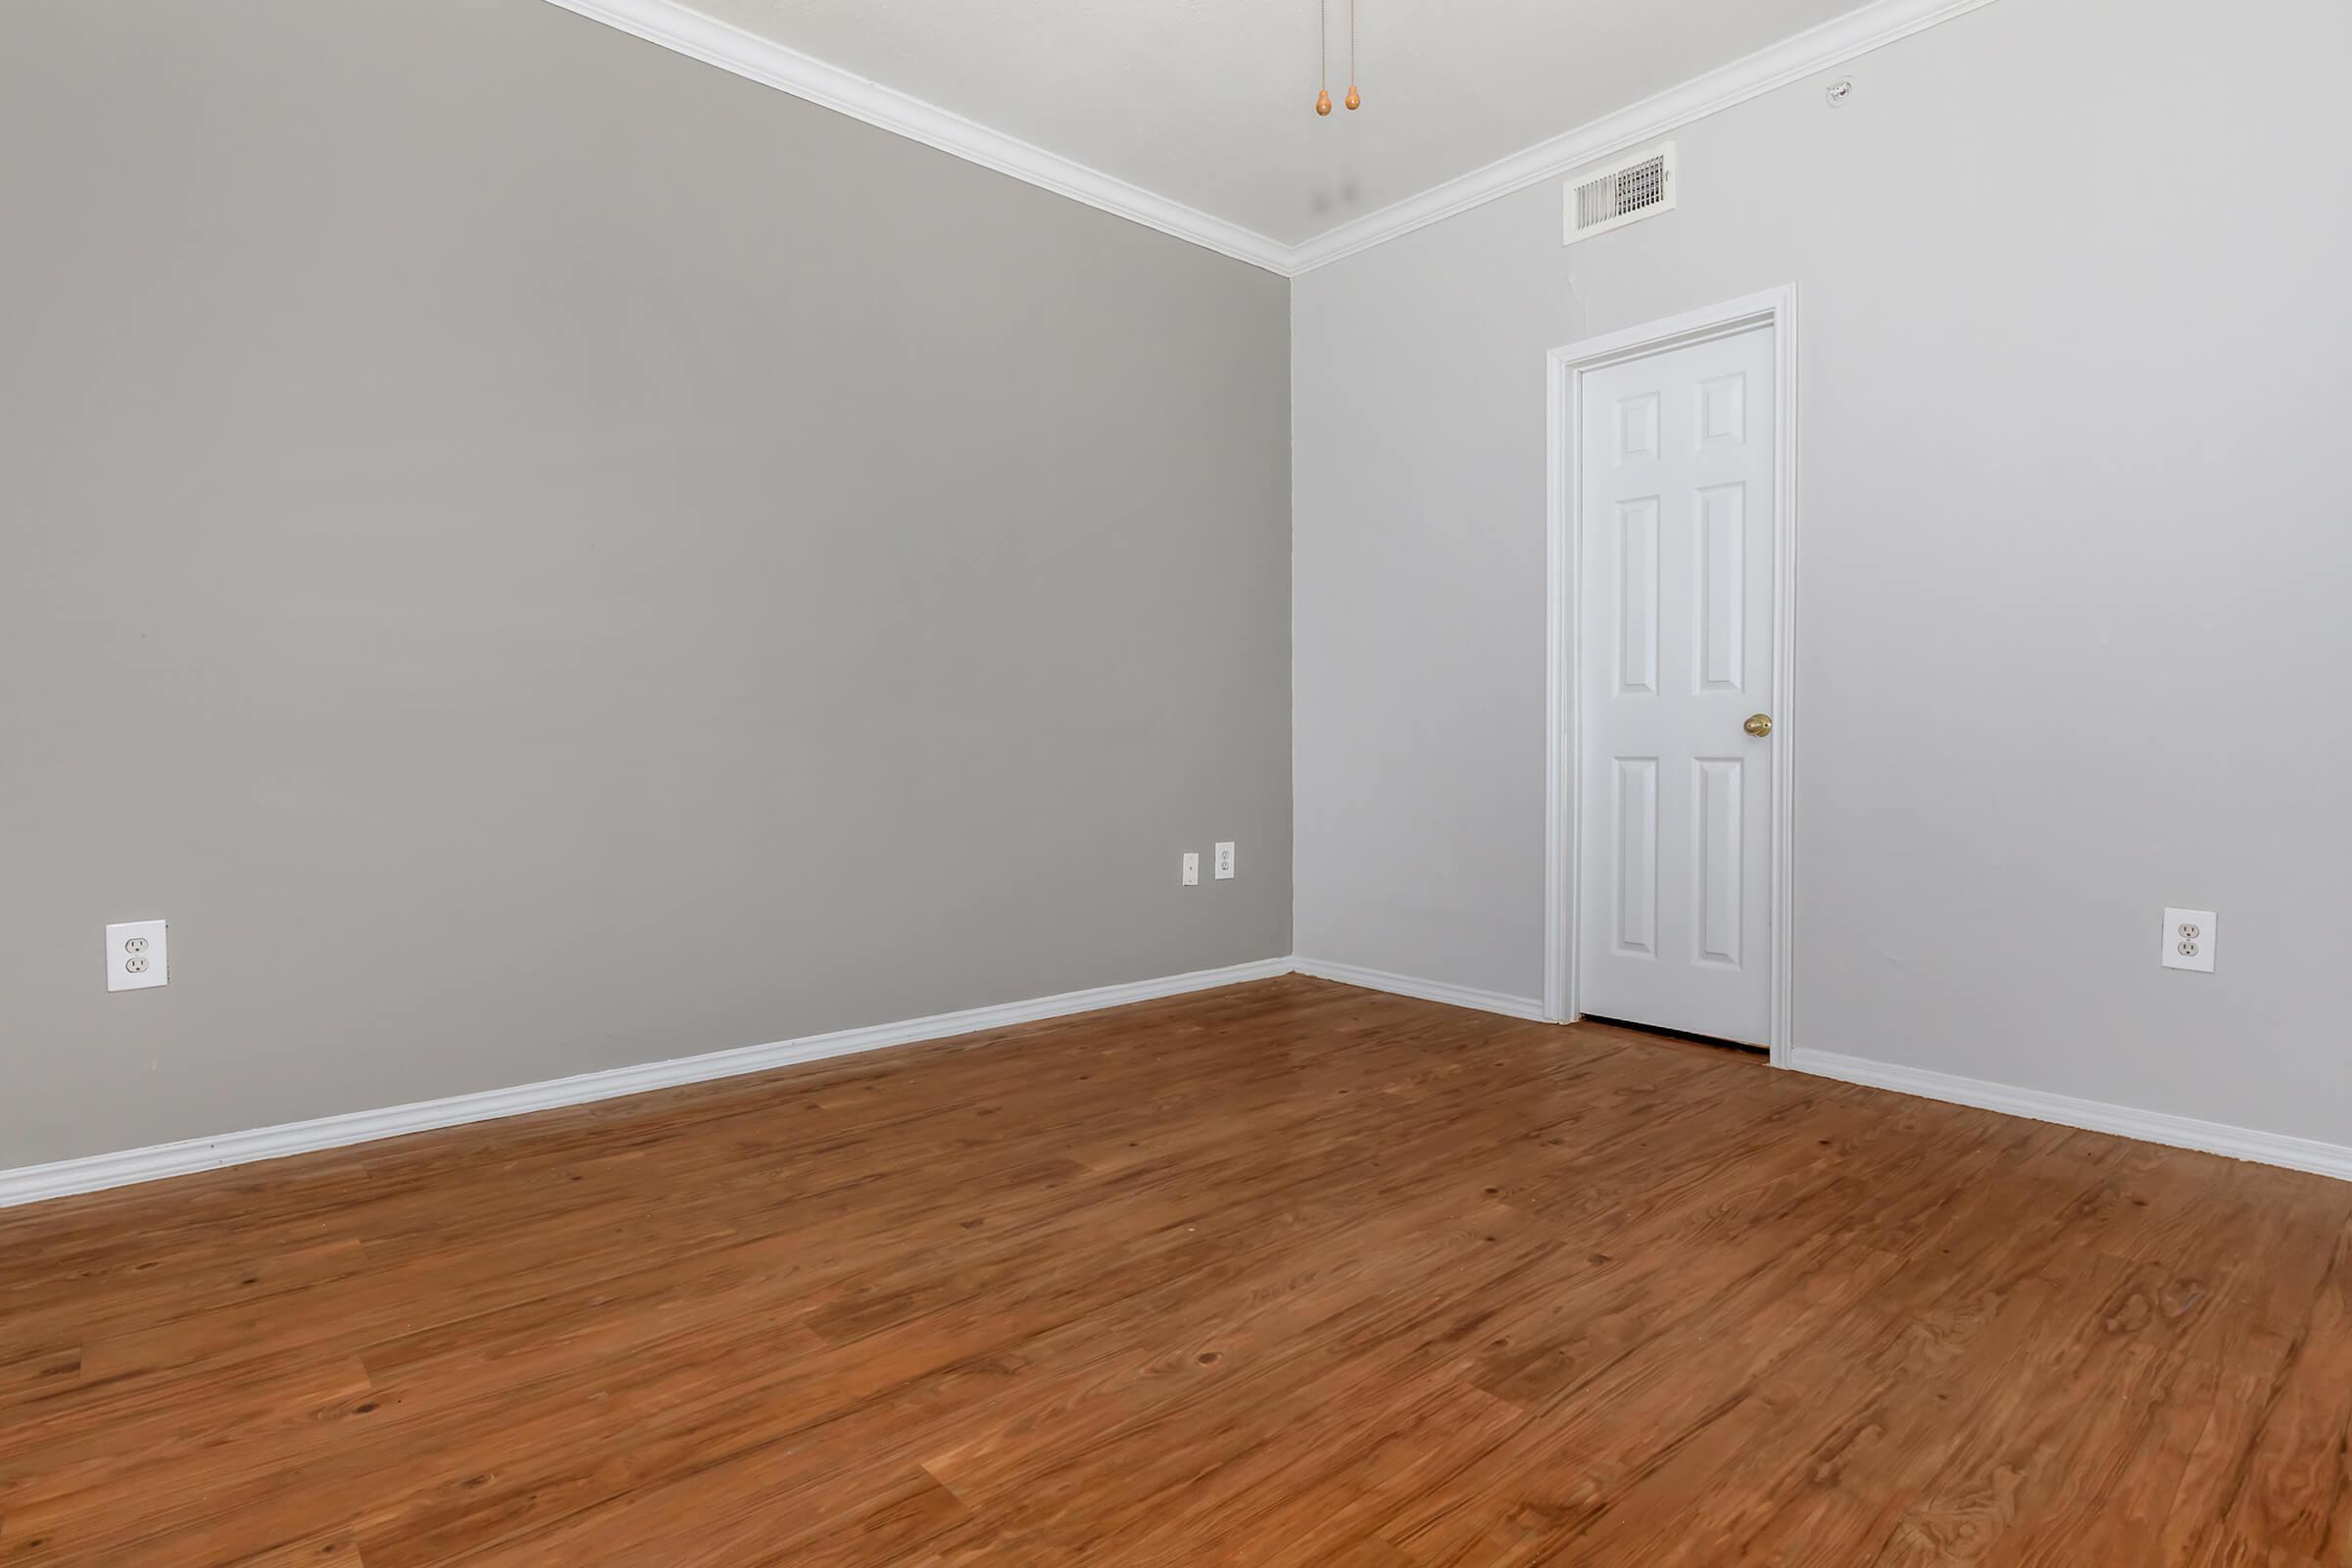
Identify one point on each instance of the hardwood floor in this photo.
(1281, 1275)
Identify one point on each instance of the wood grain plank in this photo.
(1283, 1275)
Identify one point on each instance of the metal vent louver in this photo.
(1625, 192)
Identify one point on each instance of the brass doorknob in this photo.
(1758, 725)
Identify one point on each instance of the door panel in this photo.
(1721, 874)
(1721, 588)
(1638, 595)
(1636, 857)
(1675, 649)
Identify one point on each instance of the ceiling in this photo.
(1210, 103)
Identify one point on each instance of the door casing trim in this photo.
(1565, 370)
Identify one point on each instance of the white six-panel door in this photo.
(1675, 652)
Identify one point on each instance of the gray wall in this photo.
(2075, 552)
(536, 555)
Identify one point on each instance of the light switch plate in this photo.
(2188, 940)
(1191, 869)
(136, 957)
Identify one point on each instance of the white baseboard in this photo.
(2095, 1115)
(1405, 985)
(96, 1173)
(92, 1174)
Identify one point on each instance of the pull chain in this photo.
(1355, 100)
(1323, 54)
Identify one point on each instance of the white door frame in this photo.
(1564, 534)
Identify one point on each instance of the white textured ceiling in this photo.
(1212, 102)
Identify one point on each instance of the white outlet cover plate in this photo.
(2193, 929)
(136, 957)
(1191, 869)
(1224, 863)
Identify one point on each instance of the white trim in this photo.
(676, 25)
(1564, 372)
(1405, 985)
(2096, 1115)
(95, 1172)
(1831, 43)
(679, 27)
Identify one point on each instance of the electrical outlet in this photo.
(1191, 869)
(1224, 863)
(2188, 940)
(136, 957)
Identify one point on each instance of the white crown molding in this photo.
(688, 31)
(2095, 1115)
(1857, 32)
(678, 27)
(1405, 985)
(33, 1182)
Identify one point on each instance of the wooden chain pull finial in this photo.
(1323, 54)
(1355, 100)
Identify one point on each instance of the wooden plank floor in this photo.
(1281, 1275)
